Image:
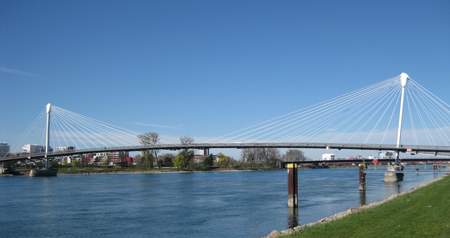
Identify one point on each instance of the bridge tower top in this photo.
(403, 79)
(49, 108)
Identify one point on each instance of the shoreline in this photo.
(343, 214)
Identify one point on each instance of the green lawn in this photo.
(422, 213)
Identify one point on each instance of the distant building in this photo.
(328, 156)
(31, 149)
(64, 148)
(160, 157)
(203, 151)
(198, 159)
(201, 158)
(387, 155)
(119, 156)
(115, 157)
(4, 149)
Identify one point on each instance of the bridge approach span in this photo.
(434, 150)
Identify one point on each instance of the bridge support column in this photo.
(396, 174)
(292, 185)
(362, 178)
(204, 151)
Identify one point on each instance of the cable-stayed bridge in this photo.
(396, 114)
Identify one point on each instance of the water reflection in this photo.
(393, 188)
(362, 198)
(437, 175)
(292, 217)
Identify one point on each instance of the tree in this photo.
(148, 160)
(53, 163)
(150, 139)
(208, 161)
(223, 161)
(248, 155)
(179, 161)
(260, 154)
(186, 140)
(272, 156)
(139, 161)
(160, 163)
(106, 161)
(267, 155)
(168, 160)
(294, 155)
(184, 157)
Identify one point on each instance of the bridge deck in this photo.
(435, 150)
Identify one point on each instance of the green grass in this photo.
(422, 213)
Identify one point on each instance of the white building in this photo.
(35, 149)
(328, 156)
(4, 149)
(64, 148)
(387, 155)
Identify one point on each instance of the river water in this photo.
(209, 204)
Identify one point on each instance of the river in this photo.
(205, 204)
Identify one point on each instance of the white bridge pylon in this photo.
(69, 129)
(403, 80)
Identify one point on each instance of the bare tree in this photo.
(150, 139)
(272, 153)
(249, 155)
(272, 156)
(186, 140)
(244, 154)
(267, 155)
(294, 155)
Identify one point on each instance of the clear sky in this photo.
(206, 68)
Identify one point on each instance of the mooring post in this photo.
(292, 217)
(292, 185)
(362, 178)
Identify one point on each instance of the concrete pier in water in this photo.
(396, 174)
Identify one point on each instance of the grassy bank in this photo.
(421, 213)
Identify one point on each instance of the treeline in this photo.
(250, 157)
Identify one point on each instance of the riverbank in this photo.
(421, 211)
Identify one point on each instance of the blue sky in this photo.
(207, 68)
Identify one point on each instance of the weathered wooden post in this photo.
(362, 178)
(292, 185)
(362, 198)
(292, 217)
